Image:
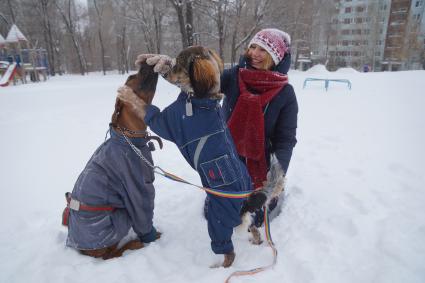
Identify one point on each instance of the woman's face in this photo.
(259, 57)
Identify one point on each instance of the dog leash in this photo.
(271, 244)
(162, 172)
(225, 194)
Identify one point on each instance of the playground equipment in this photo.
(17, 60)
(327, 81)
(8, 75)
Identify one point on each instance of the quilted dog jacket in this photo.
(205, 142)
(114, 176)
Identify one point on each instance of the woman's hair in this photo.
(268, 63)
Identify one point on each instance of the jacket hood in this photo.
(282, 67)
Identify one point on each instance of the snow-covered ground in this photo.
(355, 198)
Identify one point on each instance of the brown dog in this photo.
(123, 121)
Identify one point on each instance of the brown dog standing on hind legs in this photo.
(115, 191)
(194, 122)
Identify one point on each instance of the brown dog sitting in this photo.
(115, 190)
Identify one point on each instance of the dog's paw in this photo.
(228, 261)
(256, 236)
(134, 245)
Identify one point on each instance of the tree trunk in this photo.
(99, 33)
(178, 6)
(158, 26)
(71, 29)
(189, 23)
(47, 27)
(12, 14)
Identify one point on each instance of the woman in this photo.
(261, 110)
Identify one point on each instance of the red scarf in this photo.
(257, 88)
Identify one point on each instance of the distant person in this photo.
(366, 68)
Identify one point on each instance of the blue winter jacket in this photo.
(114, 176)
(206, 144)
(280, 118)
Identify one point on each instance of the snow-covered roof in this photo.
(2, 40)
(15, 35)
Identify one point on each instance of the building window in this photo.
(348, 21)
(345, 31)
(359, 9)
(348, 10)
(418, 3)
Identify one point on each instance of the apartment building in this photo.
(416, 36)
(358, 33)
(383, 34)
(397, 41)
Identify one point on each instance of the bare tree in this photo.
(243, 30)
(45, 10)
(12, 13)
(99, 19)
(140, 12)
(185, 23)
(121, 39)
(67, 10)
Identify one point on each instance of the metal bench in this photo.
(327, 81)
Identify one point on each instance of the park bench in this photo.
(327, 81)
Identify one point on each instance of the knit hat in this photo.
(274, 41)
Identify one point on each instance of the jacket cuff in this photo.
(149, 237)
(151, 110)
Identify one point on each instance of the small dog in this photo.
(115, 191)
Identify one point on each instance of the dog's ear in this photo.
(217, 59)
(205, 74)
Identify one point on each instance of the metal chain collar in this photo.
(136, 150)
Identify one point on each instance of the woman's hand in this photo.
(162, 63)
(128, 97)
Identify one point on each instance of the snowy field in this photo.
(355, 198)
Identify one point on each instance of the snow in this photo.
(317, 70)
(354, 202)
